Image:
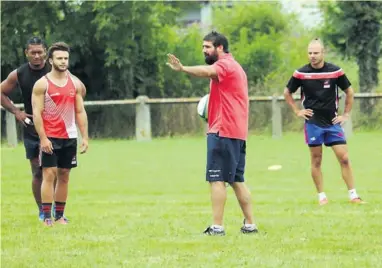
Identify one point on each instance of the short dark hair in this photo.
(59, 46)
(35, 40)
(217, 39)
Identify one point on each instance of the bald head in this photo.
(316, 53)
(317, 43)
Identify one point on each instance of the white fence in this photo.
(143, 117)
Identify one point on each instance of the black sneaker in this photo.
(213, 231)
(247, 230)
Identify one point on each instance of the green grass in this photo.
(145, 205)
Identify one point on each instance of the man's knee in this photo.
(63, 175)
(36, 169)
(49, 174)
(217, 186)
(344, 160)
(217, 183)
(242, 191)
(316, 160)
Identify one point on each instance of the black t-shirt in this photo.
(26, 78)
(319, 90)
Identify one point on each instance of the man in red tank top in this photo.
(227, 128)
(57, 102)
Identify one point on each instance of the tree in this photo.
(255, 32)
(57, 21)
(18, 24)
(354, 28)
(135, 37)
(117, 48)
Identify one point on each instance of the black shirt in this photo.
(319, 90)
(27, 77)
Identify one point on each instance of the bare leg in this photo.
(316, 159)
(47, 193)
(36, 180)
(243, 195)
(55, 184)
(49, 174)
(61, 193)
(341, 152)
(218, 198)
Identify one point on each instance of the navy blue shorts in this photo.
(316, 135)
(32, 145)
(225, 159)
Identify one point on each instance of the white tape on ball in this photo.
(28, 121)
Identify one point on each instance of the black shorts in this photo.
(64, 154)
(225, 159)
(32, 145)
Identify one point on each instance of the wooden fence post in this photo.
(276, 118)
(11, 129)
(142, 119)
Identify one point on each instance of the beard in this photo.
(210, 59)
(35, 65)
(58, 69)
(317, 61)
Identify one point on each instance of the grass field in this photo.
(146, 204)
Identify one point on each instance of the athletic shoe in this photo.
(61, 220)
(41, 215)
(323, 201)
(48, 222)
(213, 231)
(247, 230)
(357, 200)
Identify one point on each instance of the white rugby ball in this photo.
(203, 107)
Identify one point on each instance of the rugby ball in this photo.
(203, 107)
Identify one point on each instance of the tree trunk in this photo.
(367, 59)
(366, 83)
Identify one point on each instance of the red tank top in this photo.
(59, 110)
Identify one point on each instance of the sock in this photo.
(59, 210)
(217, 227)
(47, 210)
(321, 196)
(353, 194)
